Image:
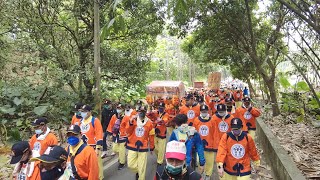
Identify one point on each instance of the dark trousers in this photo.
(104, 143)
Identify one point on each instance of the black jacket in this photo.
(106, 117)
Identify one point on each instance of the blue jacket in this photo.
(194, 141)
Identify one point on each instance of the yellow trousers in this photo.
(208, 167)
(169, 131)
(238, 104)
(252, 133)
(137, 162)
(120, 149)
(159, 148)
(226, 176)
(100, 164)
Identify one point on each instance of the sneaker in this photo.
(120, 166)
(137, 176)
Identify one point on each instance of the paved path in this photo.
(112, 172)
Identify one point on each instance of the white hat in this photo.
(176, 150)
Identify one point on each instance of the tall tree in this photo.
(233, 26)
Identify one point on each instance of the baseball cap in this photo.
(200, 99)
(52, 154)
(17, 151)
(189, 96)
(236, 123)
(176, 150)
(77, 106)
(246, 99)
(86, 108)
(120, 106)
(204, 108)
(221, 107)
(162, 105)
(75, 129)
(40, 121)
(143, 108)
(107, 101)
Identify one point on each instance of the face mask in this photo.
(84, 114)
(183, 128)
(38, 131)
(236, 132)
(161, 110)
(127, 112)
(73, 140)
(222, 114)
(119, 111)
(174, 170)
(203, 115)
(142, 115)
(106, 106)
(54, 173)
(78, 114)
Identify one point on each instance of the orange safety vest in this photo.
(42, 145)
(222, 126)
(207, 130)
(192, 112)
(235, 153)
(248, 117)
(92, 133)
(139, 137)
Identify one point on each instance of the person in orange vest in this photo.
(140, 134)
(215, 102)
(200, 100)
(171, 108)
(230, 105)
(222, 93)
(191, 109)
(204, 124)
(20, 155)
(236, 149)
(248, 114)
(117, 130)
(77, 114)
(137, 107)
(52, 163)
(43, 137)
(222, 122)
(160, 133)
(82, 162)
(92, 133)
(237, 95)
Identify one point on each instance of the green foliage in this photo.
(284, 81)
(302, 86)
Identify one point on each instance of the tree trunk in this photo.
(251, 89)
(87, 96)
(97, 97)
(273, 96)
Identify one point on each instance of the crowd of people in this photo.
(189, 137)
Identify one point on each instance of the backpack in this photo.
(116, 126)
